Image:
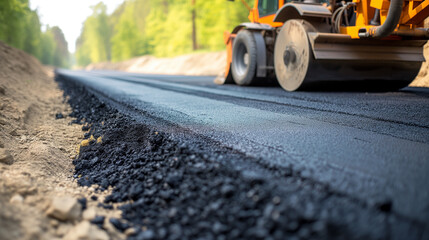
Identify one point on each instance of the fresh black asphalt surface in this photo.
(369, 147)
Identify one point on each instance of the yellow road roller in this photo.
(308, 43)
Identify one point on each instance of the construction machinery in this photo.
(303, 44)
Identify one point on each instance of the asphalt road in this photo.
(373, 147)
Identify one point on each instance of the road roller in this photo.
(305, 44)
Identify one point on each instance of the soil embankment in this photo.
(197, 64)
(39, 197)
(422, 80)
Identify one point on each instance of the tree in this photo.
(32, 34)
(159, 27)
(194, 26)
(12, 23)
(94, 41)
(20, 27)
(128, 38)
(47, 46)
(61, 53)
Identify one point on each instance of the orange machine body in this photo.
(255, 17)
(413, 14)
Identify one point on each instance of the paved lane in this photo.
(371, 146)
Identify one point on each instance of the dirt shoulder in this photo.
(37, 145)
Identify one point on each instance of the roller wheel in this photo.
(243, 65)
(292, 54)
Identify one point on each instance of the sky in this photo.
(69, 15)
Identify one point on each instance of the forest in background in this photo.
(162, 28)
(20, 27)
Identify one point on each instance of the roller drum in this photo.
(306, 59)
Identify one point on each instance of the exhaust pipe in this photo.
(392, 20)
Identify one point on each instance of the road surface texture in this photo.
(195, 160)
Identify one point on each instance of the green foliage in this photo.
(215, 17)
(20, 27)
(61, 52)
(47, 46)
(169, 28)
(127, 41)
(12, 23)
(33, 34)
(93, 44)
(157, 27)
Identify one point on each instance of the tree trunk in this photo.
(194, 27)
(165, 4)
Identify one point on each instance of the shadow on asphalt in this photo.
(360, 86)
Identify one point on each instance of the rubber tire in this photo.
(244, 74)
